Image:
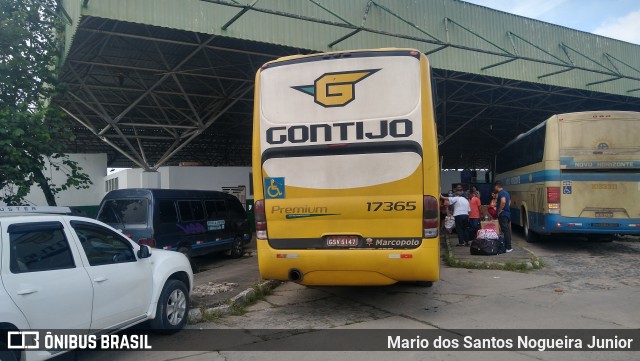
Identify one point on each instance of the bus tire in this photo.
(529, 235)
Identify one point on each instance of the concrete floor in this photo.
(583, 286)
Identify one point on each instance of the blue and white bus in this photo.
(575, 173)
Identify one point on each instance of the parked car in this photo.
(188, 221)
(66, 272)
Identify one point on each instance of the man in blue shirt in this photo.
(503, 210)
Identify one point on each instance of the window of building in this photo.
(111, 184)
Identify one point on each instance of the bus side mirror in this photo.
(144, 252)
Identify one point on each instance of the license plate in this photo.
(342, 241)
(604, 214)
(609, 225)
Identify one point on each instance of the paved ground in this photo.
(583, 285)
(591, 266)
(221, 278)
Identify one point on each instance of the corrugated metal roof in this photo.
(114, 63)
(465, 27)
(73, 9)
(477, 36)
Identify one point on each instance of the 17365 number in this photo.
(390, 206)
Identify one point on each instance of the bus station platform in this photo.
(520, 259)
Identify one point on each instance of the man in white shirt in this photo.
(461, 214)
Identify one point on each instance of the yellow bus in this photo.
(345, 167)
(575, 173)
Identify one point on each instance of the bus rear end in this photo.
(599, 192)
(346, 169)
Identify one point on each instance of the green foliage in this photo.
(32, 135)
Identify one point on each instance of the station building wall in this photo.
(94, 165)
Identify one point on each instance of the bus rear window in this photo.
(124, 212)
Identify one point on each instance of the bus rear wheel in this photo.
(529, 235)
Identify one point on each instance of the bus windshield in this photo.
(334, 147)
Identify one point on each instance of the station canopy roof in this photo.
(155, 83)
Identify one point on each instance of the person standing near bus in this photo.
(504, 214)
(474, 189)
(474, 214)
(492, 209)
(461, 214)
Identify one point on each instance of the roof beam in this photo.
(176, 149)
(160, 71)
(180, 42)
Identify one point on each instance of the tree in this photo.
(32, 134)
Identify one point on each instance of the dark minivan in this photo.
(191, 222)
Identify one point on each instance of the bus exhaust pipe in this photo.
(295, 275)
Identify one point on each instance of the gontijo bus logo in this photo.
(335, 89)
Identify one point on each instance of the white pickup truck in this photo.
(65, 272)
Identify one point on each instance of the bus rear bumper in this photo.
(576, 225)
(351, 267)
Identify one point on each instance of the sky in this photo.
(618, 19)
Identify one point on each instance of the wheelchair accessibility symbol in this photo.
(566, 189)
(274, 187)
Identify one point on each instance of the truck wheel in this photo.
(237, 248)
(173, 308)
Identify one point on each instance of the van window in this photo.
(191, 211)
(216, 209)
(210, 206)
(167, 210)
(130, 212)
(221, 209)
(198, 210)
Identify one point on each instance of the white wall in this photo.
(127, 178)
(206, 178)
(94, 165)
(201, 178)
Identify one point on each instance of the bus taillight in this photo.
(553, 199)
(430, 214)
(261, 219)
